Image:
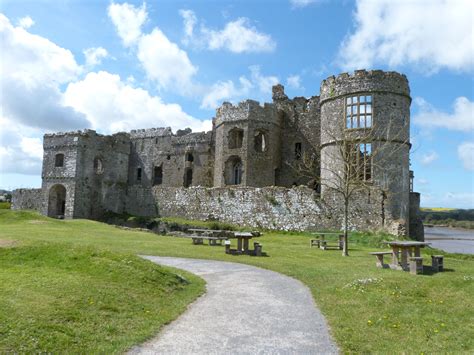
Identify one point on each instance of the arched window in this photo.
(237, 174)
(59, 160)
(260, 141)
(233, 171)
(98, 166)
(189, 157)
(188, 177)
(235, 138)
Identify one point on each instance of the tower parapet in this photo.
(245, 110)
(364, 81)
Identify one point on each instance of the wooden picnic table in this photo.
(323, 243)
(243, 240)
(401, 250)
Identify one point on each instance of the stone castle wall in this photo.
(27, 199)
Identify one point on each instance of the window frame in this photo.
(361, 165)
(353, 115)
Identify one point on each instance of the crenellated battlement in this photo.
(83, 133)
(245, 110)
(150, 132)
(364, 81)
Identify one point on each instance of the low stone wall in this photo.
(27, 199)
(298, 208)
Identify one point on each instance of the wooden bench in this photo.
(199, 240)
(437, 263)
(314, 242)
(416, 265)
(379, 256)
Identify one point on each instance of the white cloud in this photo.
(32, 70)
(428, 158)
(294, 82)
(112, 105)
(189, 20)
(462, 118)
(94, 56)
(26, 22)
(238, 36)
(301, 3)
(165, 62)
(466, 154)
(264, 83)
(228, 90)
(20, 151)
(128, 21)
(433, 35)
(225, 90)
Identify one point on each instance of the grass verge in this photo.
(58, 298)
(368, 309)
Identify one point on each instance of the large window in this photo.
(158, 175)
(236, 138)
(359, 111)
(360, 167)
(260, 143)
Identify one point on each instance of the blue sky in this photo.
(115, 66)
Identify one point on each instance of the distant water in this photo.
(451, 240)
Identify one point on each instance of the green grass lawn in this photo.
(388, 311)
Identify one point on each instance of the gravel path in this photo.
(246, 310)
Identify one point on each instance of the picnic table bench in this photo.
(323, 244)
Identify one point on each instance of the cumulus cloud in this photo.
(294, 82)
(428, 158)
(238, 36)
(112, 105)
(228, 90)
(128, 21)
(461, 119)
(20, 151)
(26, 22)
(432, 35)
(466, 154)
(94, 56)
(164, 62)
(32, 70)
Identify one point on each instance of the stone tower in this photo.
(247, 141)
(371, 111)
(84, 174)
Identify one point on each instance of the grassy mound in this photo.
(59, 298)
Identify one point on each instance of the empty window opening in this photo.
(98, 166)
(360, 162)
(236, 138)
(359, 111)
(237, 174)
(233, 171)
(189, 157)
(59, 160)
(158, 175)
(260, 143)
(168, 157)
(139, 174)
(188, 177)
(298, 151)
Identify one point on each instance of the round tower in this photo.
(365, 131)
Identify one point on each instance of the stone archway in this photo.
(57, 201)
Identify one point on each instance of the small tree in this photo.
(355, 155)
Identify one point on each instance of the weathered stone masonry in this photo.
(243, 170)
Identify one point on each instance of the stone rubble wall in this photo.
(27, 199)
(298, 208)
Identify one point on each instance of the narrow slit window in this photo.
(139, 174)
(298, 151)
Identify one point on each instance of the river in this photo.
(451, 240)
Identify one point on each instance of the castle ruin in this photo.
(243, 170)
